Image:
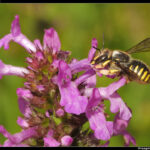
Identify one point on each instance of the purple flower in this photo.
(22, 122)
(40, 87)
(23, 100)
(17, 37)
(49, 141)
(89, 79)
(18, 138)
(93, 50)
(56, 102)
(102, 129)
(95, 111)
(119, 128)
(117, 103)
(66, 140)
(51, 40)
(128, 139)
(70, 95)
(12, 70)
(60, 112)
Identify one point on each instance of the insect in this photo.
(120, 63)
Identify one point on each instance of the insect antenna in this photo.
(102, 45)
(96, 48)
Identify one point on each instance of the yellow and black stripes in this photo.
(141, 70)
(121, 63)
(147, 78)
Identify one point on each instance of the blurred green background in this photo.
(123, 25)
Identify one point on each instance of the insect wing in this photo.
(143, 46)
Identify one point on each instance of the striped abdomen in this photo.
(140, 70)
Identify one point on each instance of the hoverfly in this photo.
(120, 63)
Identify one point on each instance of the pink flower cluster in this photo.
(77, 95)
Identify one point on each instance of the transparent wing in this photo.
(143, 46)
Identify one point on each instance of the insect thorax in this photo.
(120, 56)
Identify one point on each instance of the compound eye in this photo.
(101, 59)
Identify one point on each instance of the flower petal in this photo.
(5, 133)
(51, 39)
(107, 91)
(25, 93)
(60, 112)
(79, 66)
(17, 37)
(12, 70)
(72, 100)
(39, 55)
(24, 106)
(18, 137)
(8, 143)
(66, 140)
(64, 75)
(15, 27)
(129, 139)
(50, 142)
(93, 50)
(120, 125)
(119, 128)
(89, 78)
(40, 87)
(25, 134)
(70, 95)
(102, 129)
(117, 104)
(37, 43)
(22, 122)
(5, 41)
